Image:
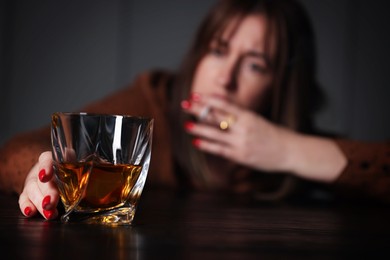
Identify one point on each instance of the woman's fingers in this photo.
(214, 131)
(210, 133)
(46, 184)
(221, 104)
(211, 110)
(26, 206)
(40, 193)
(237, 134)
(41, 201)
(45, 167)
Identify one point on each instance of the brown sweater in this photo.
(367, 173)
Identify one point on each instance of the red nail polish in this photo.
(196, 142)
(195, 97)
(42, 175)
(188, 125)
(48, 213)
(46, 201)
(27, 211)
(185, 104)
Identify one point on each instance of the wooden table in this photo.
(171, 225)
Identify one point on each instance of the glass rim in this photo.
(102, 115)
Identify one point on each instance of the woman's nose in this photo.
(226, 77)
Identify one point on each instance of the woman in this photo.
(236, 117)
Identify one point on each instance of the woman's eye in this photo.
(217, 51)
(257, 68)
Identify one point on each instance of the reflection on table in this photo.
(195, 225)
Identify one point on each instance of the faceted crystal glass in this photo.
(100, 165)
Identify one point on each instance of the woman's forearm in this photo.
(314, 158)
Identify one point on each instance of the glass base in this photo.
(115, 217)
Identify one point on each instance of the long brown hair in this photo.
(293, 90)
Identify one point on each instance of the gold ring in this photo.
(225, 124)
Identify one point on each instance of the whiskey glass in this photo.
(100, 165)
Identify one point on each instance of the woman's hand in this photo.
(40, 194)
(237, 134)
(240, 135)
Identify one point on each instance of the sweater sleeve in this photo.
(367, 173)
(18, 155)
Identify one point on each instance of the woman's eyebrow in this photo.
(220, 42)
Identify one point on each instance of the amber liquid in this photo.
(95, 186)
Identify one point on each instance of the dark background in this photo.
(59, 55)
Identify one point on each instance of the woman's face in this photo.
(237, 67)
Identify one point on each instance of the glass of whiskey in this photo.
(100, 165)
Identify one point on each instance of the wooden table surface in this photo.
(172, 225)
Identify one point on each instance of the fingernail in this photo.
(185, 104)
(195, 97)
(27, 211)
(196, 142)
(48, 213)
(46, 201)
(42, 175)
(188, 125)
